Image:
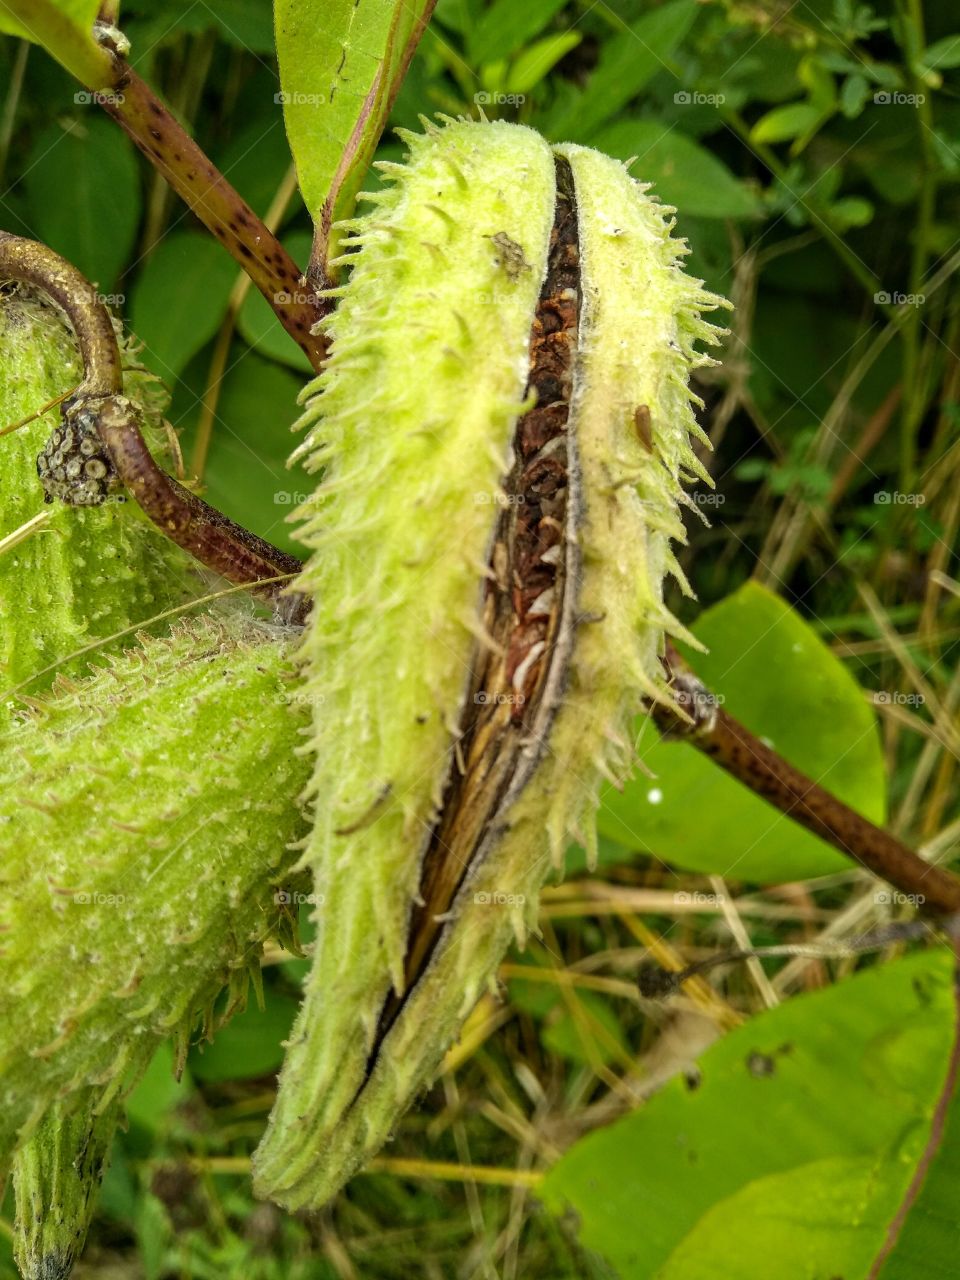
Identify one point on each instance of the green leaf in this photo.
(684, 173)
(65, 29)
(84, 197)
(534, 63)
(506, 27)
(942, 55)
(247, 475)
(929, 1240)
(341, 65)
(251, 1044)
(797, 1142)
(779, 679)
(257, 322)
(784, 123)
(627, 63)
(180, 299)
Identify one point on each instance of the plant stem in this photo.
(218, 206)
(233, 551)
(696, 718)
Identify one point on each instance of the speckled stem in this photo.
(733, 747)
(233, 551)
(218, 206)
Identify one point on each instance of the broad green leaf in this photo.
(534, 63)
(341, 65)
(180, 299)
(824, 1103)
(784, 123)
(506, 27)
(942, 55)
(778, 678)
(257, 322)
(827, 1212)
(627, 63)
(685, 174)
(84, 196)
(251, 1044)
(65, 29)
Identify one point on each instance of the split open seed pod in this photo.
(503, 431)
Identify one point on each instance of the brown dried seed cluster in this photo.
(73, 465)
(523, 605)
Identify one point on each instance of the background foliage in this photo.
(813, 152)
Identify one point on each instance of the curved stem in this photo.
(696, 717)
(216, 541)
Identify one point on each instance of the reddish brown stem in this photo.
(228, 548)
(717, 734)
(219, 207)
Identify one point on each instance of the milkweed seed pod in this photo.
(78, 573)
(56, 1177)
(146, 817)
(504, 427)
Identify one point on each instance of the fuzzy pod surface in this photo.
(80, 573)
(147, 814)
(505, 428)
(56, 1177)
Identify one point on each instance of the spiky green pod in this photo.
(77, 574)
(489, 582)
(56, 1177)
(146, 814)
